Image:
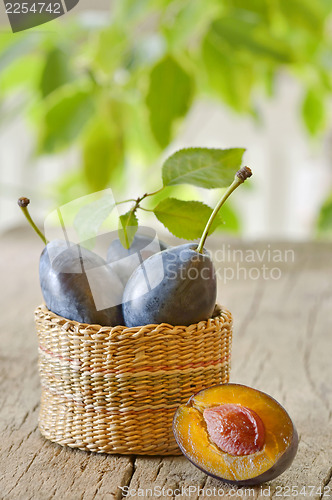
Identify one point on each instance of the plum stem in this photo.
(137, 205)
(239, 179)
(125, 201)
(23, 204)
(155, 192)
(145, 209)
(141, 198)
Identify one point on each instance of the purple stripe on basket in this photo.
(79, 363)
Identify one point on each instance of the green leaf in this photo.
(102, 151)
(192, 18)
(141, 146)
(131, 12)
(90, 217)
(56, 71)
(305, 14)
(169, 97)
(260, 8)
(20, 73)
(313, 111)
(128, 225)
(203, 167)
(111, 49)
(251, 37)
(68, 111)
(14, 47)
(185, 219)
(231, 81)
(324, 224)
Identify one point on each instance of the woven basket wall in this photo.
(115, 390)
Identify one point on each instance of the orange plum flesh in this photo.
(236, 434)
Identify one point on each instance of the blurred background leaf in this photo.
(56, 71)
(66, 114)
(250, 35)
(103, 151)
(169, 97)
(324, 225)
(313, 110)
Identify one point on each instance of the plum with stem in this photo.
(178, 285)
(77, 283)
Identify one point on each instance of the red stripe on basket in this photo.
(78, 362)
(58, 356)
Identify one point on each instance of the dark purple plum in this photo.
(176, 286)
(79, 285)
(124, 261)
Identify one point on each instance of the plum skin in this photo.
(180, 298)
(66, 289)
(143, 246)
(280, 466)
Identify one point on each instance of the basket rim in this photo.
(43, 313)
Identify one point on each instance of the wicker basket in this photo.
(115, 390)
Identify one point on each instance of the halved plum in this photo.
(236, 434)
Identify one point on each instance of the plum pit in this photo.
(235, 429)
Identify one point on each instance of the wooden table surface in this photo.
(282, 345)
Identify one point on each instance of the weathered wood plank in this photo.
(282, 345)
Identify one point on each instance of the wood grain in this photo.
(282, 345)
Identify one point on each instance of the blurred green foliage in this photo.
(119, 91)
(324, 225)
